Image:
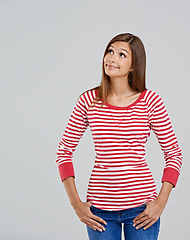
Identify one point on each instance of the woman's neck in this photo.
(120, 88)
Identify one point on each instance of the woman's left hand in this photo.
(150, 215)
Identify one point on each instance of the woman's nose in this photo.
(112, 59)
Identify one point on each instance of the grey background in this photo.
(50, 52)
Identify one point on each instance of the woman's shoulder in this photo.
(152, 98)
(88, 96)
(151, 94)
(89, 91)
(93, 90)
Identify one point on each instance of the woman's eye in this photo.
(109, 50)
(122, 54)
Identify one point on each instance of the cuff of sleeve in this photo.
(170, 175)
(66, 170)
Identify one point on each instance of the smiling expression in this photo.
(118, 59)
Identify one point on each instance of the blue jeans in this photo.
(114, 221)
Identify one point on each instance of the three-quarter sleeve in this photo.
(74, 130)
(161, 125)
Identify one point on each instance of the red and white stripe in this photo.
(120, 178)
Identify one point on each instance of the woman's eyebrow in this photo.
(120, 48)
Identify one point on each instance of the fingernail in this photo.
(100, 230)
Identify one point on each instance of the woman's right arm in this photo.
(74, 131)
(82, 209)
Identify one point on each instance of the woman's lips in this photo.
(111, 66)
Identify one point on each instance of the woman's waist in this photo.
(120, 165)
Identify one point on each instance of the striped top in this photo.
(120, 178)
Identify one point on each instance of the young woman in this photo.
(121, 112)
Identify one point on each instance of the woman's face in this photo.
(118, 59)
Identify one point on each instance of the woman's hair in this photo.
(136, 78)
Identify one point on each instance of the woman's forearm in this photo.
(164, 192)
(82, 209)
(70, 187)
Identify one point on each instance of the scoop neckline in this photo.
(128, 106)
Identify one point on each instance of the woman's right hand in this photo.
(82, 210)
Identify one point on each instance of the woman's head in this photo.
(135, 69)
(118, 61)
(136, 76)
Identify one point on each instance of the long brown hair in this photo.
(136, 78)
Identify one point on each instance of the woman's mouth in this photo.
(111, 66)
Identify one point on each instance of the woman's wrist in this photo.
(162, 201)
(75, 204)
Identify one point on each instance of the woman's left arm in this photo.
(154, 208)
(161, 125)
